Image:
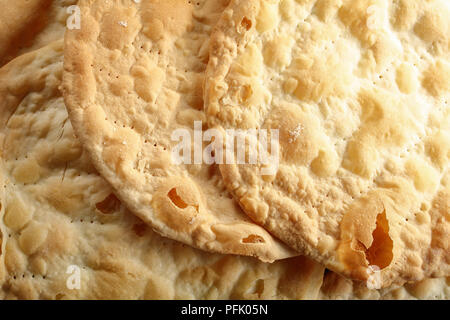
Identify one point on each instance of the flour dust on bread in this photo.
(359, 91)
(133, 75)
(58, 212)
(27, 25)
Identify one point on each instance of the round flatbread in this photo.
(60, 220)
(359, 94)
(133, 77)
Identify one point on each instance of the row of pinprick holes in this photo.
(86, 221)
(151, 50)
(109, 73)
(155, 144)
(132, 128)
(15, 277)
(115, 122)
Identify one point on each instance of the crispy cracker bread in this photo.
(133, 75)
(26, 25)
(56, 211)
(53, 186)
(359, 92)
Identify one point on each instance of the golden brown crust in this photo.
(133, 75)
(367, 85)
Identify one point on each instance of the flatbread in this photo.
(57, 212)
(359, 92)
(26, 25)
(336, 287)
(133, 76)
(87, 227)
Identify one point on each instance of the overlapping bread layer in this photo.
(56, 212)
(133, 78)
(27, 25)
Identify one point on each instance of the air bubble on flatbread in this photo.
(178, 202)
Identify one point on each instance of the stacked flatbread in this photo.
(104, 197)
(358, 91)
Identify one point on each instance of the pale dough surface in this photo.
(359, 91)
(56, 211)
(133, 75)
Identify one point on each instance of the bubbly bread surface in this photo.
(359, 93)
(336, 287)
(133, 77)
(58, 212)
